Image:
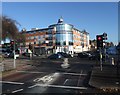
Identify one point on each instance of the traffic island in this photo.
(108, 79)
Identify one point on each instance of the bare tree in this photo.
(10, 30)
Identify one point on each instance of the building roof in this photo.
(38, 30)
(60, 20)
(83, 31)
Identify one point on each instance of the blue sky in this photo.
(95, 17)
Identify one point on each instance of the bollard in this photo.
(65, 63)
(113, 63)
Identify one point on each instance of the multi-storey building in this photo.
(60, 37)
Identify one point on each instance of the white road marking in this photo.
(65, 81)
(79, 78)
(11, 82)
(17, 90)
(29, 72)
(47, 78)
(77, 74)
(60, 86)
(32, 86)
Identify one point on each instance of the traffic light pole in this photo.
(100, 39)
(100, 59)
(105, 38)
(14, 65)
(105, 51)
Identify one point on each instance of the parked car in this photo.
(65, 55)
(11, 55)
(6, 53)
(55, 56)
(83, 55)
(96, 56)
(26, 54)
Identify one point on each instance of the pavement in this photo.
(8, 66)
(108, 78)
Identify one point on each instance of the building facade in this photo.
(60, 37)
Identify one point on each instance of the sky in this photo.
(95, 17)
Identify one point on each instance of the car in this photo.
(6, 53)
(83, 55)
(93, 56)
(36, 54)
(26, 54)
(55, 56)
(96, 56)
(11, 55)
(65, 55)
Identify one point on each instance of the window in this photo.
(39, 37)
(50, 44)
(39, 42)
(64, 43)
(70, 43)
(57, 43)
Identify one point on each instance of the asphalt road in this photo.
(47, 76)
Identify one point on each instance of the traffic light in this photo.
(104, 36)
(99, 41)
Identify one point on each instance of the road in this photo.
(47, 76)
